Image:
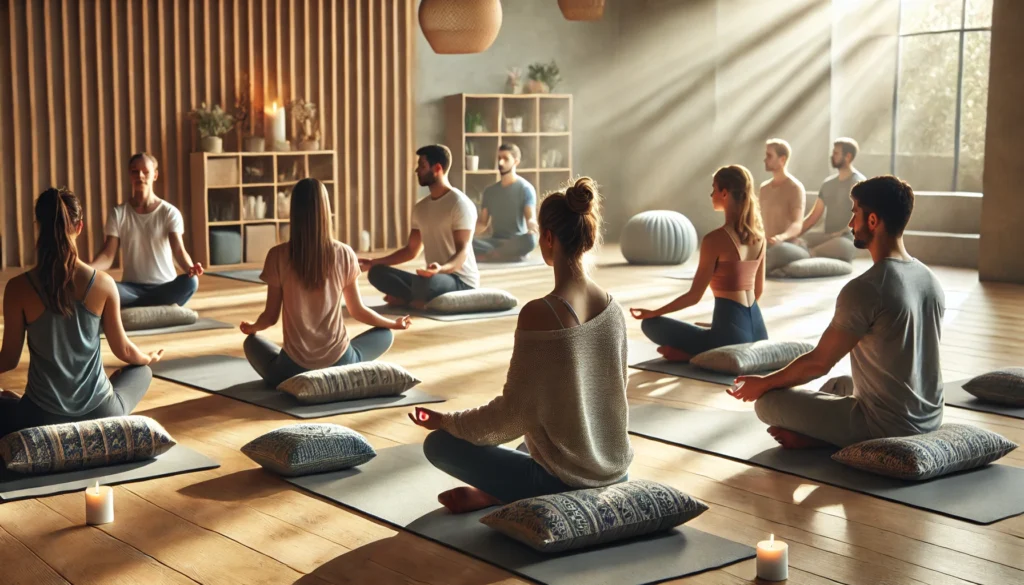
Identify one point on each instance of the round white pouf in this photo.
(658, 237)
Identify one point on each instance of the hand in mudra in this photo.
(642, 314)
(195, 270)
(426, 418)
(431, 269)
(402, 323)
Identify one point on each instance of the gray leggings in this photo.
(130, 385)
(413, 287)
(505, 249)
(831, 414)
(839, 247)
(274, 365)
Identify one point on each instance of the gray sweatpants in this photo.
(831, 414)
(840, 247)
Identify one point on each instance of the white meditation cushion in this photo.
(138, 318)
(352, 382)
(658, 237)
(751, 358)
(813, 268)
(476, 300)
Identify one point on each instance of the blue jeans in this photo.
(413, 287)
(274, 365)
(130, 384)
(731, 323)
(505, 249)
(506, 474)
(175, 292)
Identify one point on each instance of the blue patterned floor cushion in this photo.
(1004, 386)
(308, 448)
(476, 300)
(589, 517)
(84, 445)
(351, 382)
(751, 358)
(952, 448)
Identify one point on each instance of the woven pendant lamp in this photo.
(456, 27)
(582, 9)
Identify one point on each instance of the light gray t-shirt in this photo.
(835, 194)
(438, 220)
(505, 206)
(896, 307)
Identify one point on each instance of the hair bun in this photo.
(580, 197)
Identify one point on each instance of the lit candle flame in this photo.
(771, 541)
(96, 487)
(274, 108)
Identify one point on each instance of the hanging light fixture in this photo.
(455, 27)
(582, 9)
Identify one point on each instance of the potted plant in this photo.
(543, 77)
(212, 123)
(472, 160)
(252, 141)
(305, 124)
(514, 81)
(475, 122)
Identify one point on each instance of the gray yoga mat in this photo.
(201, 324)
(955, 395)
(399, 311)
(684, 370)
(684, 274)
(400, 487)
(984, 495)
(234, 377)
(247, 275)
(179, 459)
(528, 263)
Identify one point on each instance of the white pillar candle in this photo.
(99, 504)
(772, 560)
(276, 126)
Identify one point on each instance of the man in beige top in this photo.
(782, 207)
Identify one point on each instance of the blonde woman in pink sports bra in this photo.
(732, 264)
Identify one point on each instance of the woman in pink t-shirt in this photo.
(307, 278)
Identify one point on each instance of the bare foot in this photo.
(394, 301)
(466, 499)
(673, 355)
(791, 440)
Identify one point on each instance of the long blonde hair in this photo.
(310, 248)
(739, 183)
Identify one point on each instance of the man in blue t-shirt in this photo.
(508, 211)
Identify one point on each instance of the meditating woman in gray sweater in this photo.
(566, 386)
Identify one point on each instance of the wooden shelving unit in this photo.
(222, 182)
(545, 138)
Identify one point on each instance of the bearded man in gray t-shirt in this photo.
(833, 203)
(889, 320)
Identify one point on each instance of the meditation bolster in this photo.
(1004, 386)
(578, 519)
(84, 445)
(658, 237)
(138, 318)
(225, 246)
(351, 382)
(476, 300)
(305, 449)
(751, 358)
(952, 448)
(813, 268)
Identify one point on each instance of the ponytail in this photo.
(57, 212)
(739, 183)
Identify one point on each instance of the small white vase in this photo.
(472, 162)
(309, 145)
(254, 144)
(364, 241)
(212, 144)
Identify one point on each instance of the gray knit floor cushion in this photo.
(784, 253)
(477, 300)
(813, 268)
(658, 237)
(352, 382)
(1003, 386)
(305, 449)
(590, 517)
(952, 448)
(751, 358)
(139, 318)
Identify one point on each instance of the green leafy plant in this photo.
(548, 74)
(212, 121)
(474, 119)
(470, 149)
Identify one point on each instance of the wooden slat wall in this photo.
(85, 84)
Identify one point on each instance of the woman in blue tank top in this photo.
(61, 305)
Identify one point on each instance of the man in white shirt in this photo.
(442, 228)
(150, 230)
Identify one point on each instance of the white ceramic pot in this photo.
(254, 144)
(472, 162)
(212, 144)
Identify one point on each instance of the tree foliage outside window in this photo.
(942, 93)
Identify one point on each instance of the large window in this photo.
(941, 93)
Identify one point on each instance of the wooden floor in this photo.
(237, 524)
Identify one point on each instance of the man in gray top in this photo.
(834, 203)
(508, 210)
(889, 320)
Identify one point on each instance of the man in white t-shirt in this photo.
(150, 230)
(442, 228)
